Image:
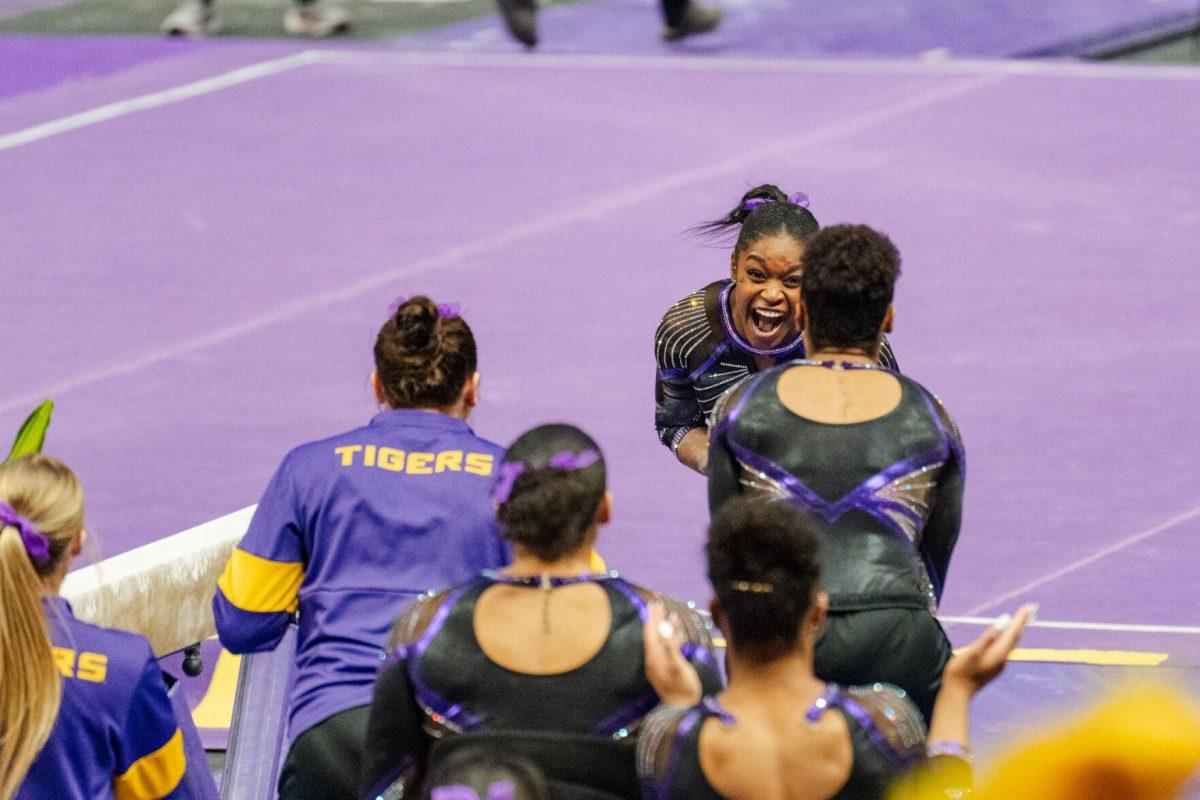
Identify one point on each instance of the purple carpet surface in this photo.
(200, 283)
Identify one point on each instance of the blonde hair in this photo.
(45, 491)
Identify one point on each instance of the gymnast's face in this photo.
(765, 301)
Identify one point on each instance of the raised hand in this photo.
(672, 676)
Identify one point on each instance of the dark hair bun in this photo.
(416, 323)
(423, 360)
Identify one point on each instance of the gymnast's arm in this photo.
(678, 417)
(396, 743)
(945, 514)
(723, 473)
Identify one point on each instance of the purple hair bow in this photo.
(36, 543)
(797, 199)
(500, 790)
(445, 310)
(511, 470)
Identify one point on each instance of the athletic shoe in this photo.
(697, 19)
(315, 20)
(193, 19)
(520, 17)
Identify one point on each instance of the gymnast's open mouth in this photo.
(767, 321)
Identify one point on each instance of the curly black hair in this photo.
(550, 510)
(763, 566)
(770, 218)
(423, 359)
(849, 279)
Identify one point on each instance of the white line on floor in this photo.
(573, 211)
(1116, 547)
(1085, 626)
(155, 99)
(948, 67)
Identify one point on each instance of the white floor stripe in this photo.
(579, 211)
(154, 100)
(1085, 626)
(949, 67)
(1129, 541)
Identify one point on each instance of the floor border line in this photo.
(948, 67)
(143, 102)
(1191, 630)
(1087, 560)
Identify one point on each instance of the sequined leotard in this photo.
(886, 498)
(439, 682)
(701, 355)
(887, 737)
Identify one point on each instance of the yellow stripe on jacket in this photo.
(153, 776)
(258, 584)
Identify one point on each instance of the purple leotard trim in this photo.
(628, 715)
(861, 497)
(633, 597)
(708, 362)
(663, 786)
(827, 700)
(714, 708)
(742, 344)
(834, 697)
(430, 700)
(867, 723)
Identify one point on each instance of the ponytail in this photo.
(45, 492)
(763, 211)
(32, 688)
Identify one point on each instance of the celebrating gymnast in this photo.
(778, 731)
(718, 335)
(84, 711)
(545, 645)
(870, 453)
(353, 527)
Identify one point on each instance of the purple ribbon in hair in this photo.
(499, 790)
(36, 543)
(511, 470)
(445, 310)
(797, 199)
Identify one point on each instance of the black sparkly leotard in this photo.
(887, 738)
(701, 355)
(439, 682)
(886, 499)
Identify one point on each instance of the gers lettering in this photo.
(92, 667)
(414, 463)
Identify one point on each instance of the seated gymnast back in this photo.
(351, 528)
(870, 453)
(84, 712)
(778, 732)
(544, 645)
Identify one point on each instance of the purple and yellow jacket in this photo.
(116, 735)
(349, 530)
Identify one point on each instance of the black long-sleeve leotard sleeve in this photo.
(945, 513)
(396, 744)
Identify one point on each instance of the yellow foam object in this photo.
(1141, 744)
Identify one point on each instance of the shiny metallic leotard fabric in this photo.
(885, 497)
(887, 738)
(438, 682)
(700, 356)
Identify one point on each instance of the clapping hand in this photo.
(978, 664)
(672, 676)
